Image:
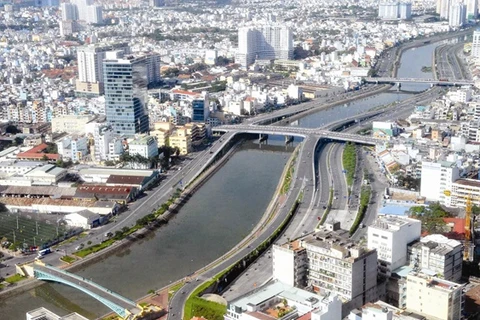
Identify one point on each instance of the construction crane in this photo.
(468, 226)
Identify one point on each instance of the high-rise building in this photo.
(405, 11)
(95, 14)
(476, 44)
(200, 108)
(395, 10)
(90, 67)
(457, 15)
(267, 42)
(472, 9)
(390, 236)
(157, 3)
(439, 255)
(328, 261)
(126, 82)
(69, 11)
(445, 9)
(434, 298)
(388, 10)
(436, 181)
(82, 9)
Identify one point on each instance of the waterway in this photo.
(218, 216)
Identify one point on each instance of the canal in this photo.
(218, 216)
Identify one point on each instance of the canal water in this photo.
(218, 216)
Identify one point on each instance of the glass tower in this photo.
(126, 82)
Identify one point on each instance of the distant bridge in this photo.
(299, 132)
(443, 82)
(122, 306)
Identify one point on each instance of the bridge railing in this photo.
(93, 284)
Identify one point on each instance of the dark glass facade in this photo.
(126, 84)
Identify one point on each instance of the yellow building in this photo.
(197, 131)
(434, 298)
(181, 140)
(162, 132)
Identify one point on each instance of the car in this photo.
(79, 247)
(108, 234)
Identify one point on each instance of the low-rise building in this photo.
(277, 300)
(73, 148)
(72, 124)
(145, 146)
(46, 175)
(85, 219)
(45, 314)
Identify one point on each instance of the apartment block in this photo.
(434, 298)
(438, 255)
(390, 236)
(181, 140)
(437, 179)
(72, 124)
(329, 262)
(146, 146)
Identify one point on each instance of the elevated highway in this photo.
(441, 82)
(299, 132)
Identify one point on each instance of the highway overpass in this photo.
(299, 132)
(442, 82)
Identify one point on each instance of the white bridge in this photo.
(441, 82)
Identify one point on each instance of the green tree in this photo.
(431, 217)
(12, 129)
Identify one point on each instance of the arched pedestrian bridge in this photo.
(122, 306)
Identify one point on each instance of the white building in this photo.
(85, 219)
(45, 314)
(73, 148)
(437, 179)
(457, 15)
(438, 255)
(13, 167)
(476, 44)
(463, 189)
(329, 261)
(395, 10)
(90, 64)
(266, 42)
(46, 175)
(434, 298)
(71, 124)
(277, 300)
(102, 135)
(390, 235)
(95, 14)
(146, 146)
(472, 9)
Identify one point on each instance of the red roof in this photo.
(185, 92)
(104, 189)
(37, 153)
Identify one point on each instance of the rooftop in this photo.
(468, 182)
(393, 223)
(119, 172)
(274, 289)
(436, 283)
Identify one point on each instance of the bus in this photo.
(43, 252)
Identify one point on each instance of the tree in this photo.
(12, 129)
(431, 217)
(51, 148)
(44, 158)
